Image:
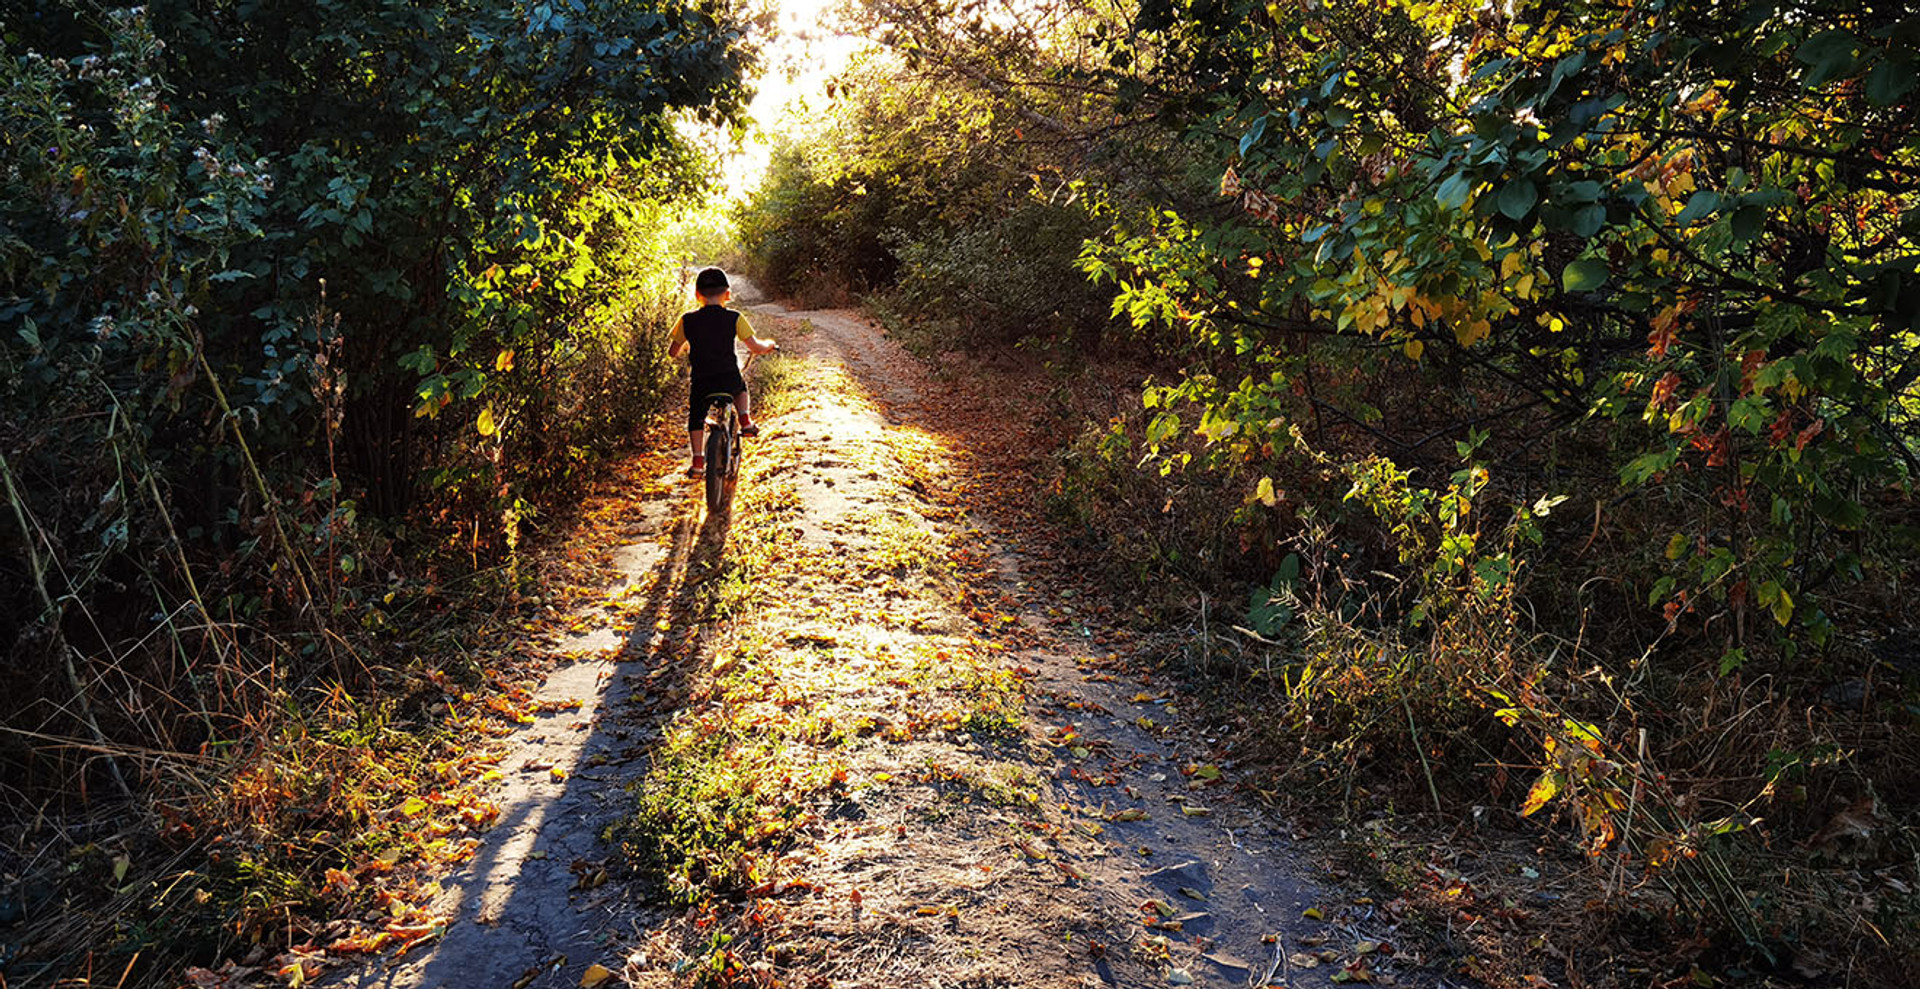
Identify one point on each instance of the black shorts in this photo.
(731, 384)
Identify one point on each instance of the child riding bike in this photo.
(709, 333)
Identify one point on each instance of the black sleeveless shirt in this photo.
(710, 334)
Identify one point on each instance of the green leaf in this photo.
(1584, 275)
(1289, 570)
(1749, 414)
(1701, 204)
(1589, 220)
(1828, 56)
(1453, 192)
(1517, 198)
(1253, 134)
(1641, 468)
(1889, 81)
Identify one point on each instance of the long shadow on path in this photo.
(530, 910)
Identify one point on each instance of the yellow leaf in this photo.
(412, 807)
(1543, 790)
(504, 362)
(594, 975)
(486, 425)
(1264, 492)
(1414, 348)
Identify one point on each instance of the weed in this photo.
(903, 545)
(776, 382)
(970, 693)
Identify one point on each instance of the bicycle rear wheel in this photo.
(719, 466)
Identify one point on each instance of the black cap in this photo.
(710, 282)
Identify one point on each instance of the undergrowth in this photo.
(1384, 649)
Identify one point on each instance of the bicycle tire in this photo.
(719, 467)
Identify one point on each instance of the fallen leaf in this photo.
(1180, 977)
(1313, 913)
(1192, 811)
(1130, 814)
(594, 975)
(1190, 893)
(1303, 960)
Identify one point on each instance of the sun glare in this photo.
(809, 47)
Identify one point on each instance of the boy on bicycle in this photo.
(709, 333)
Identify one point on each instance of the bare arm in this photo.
(677, 341)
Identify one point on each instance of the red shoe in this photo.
(698, 467)
(750, 429)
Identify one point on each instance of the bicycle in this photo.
(723, 444)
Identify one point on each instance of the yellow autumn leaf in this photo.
(486, 425)
(1264, 492)
(594, 975)
(1543, 790)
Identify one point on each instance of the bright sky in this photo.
(807, 51)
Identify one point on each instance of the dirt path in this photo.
(845, 735)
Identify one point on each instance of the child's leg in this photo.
(744, 403)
